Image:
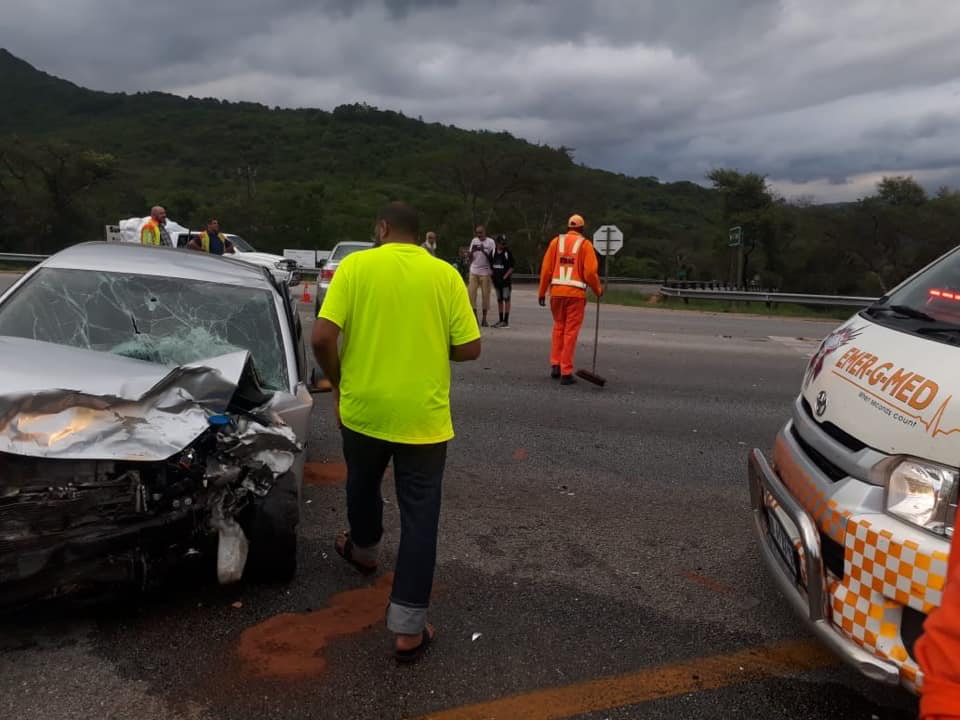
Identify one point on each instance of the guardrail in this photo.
(22, 258)
(523, 277)
(769, 298)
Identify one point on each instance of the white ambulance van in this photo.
(855, 509)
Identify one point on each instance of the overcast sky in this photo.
(822, 96)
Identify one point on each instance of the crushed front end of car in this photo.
(126, 467)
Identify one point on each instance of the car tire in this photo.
(270, 524)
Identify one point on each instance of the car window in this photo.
(341, 251)
(158, 319)
(241, 244)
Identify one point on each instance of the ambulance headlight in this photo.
(921, 492)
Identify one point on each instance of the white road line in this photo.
(804, 346)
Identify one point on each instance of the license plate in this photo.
(781, 540)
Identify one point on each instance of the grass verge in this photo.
(15, 267)
(622, 297)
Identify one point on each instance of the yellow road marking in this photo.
(653, 683)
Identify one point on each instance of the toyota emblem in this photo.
(821, 404)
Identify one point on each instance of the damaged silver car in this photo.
(152, 405)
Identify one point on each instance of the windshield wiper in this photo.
(948, 330)
(903, 310)
(134, 321)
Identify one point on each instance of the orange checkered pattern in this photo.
(826, 513)
(884, 572)
(912, 572)
(883, 576)
(873, 622)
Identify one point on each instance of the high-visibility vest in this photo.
(566, 271)
(205, 241)
(150, 233)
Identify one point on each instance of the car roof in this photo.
(359, 243)
(161, 261)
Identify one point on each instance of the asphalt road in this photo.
(596, 561)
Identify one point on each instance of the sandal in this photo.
(410, 656)
(346, 552)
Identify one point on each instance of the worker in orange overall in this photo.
(938, 651)
(569, 268)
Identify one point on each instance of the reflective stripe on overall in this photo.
(567, 270)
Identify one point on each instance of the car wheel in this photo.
(270, 524)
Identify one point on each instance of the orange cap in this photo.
(575, 221)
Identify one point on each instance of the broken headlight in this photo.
(920, 492)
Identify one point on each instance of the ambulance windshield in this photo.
(928, 304)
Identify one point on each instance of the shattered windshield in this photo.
(164, 320)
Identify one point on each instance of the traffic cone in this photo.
(306, 293)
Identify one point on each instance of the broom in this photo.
(591, 375)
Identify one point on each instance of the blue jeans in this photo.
(418, 472)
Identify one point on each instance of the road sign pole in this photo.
(606, 255)
(608, 231)
(740, 264)
(735, 235)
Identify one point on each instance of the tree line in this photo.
(73, 160)
(54, 194)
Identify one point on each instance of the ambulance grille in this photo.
(826, 467)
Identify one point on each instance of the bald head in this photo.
(398, 222)
(158, 214)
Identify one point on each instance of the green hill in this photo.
(308, 178)
(73, 160)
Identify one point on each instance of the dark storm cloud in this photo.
(822, 96)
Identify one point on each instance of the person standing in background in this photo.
(154, 231)
(569, 268)
(430, 243)
(502, 264)
(481, 272)
(212, 240)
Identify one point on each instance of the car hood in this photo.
(890, 390)
(259, 258)
(75, 404)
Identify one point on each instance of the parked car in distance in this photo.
(285, 270)
(339, 252)
(152, 406)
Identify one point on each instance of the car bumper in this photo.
(810, 593)
(103, 553)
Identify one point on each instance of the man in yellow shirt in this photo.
(402, 316)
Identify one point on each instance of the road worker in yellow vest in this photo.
(212, 240)
(154, 231)
(569, 268)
